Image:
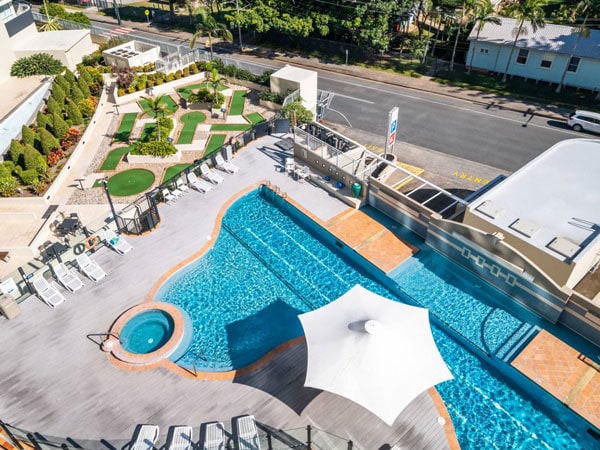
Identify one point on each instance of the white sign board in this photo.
(391, 130)
(9, 286)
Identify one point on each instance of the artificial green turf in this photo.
(187, 90)
(170, 106)
(230, 127)
(130, 182)
(174, 171)
(190, 121)
(215, 142)
(236, 107)
(114, 157)
(254, 118)
(125, 127)
(147, 131)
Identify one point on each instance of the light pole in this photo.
(112, 207)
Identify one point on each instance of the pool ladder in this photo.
(276, 189)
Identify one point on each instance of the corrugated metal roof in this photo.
(550, 38)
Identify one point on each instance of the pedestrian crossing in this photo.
(117, 31)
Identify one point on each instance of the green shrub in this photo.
(76, 94)
(70, 77)
(58, 93)
(53, 107)
(270, 96)
(84, 87)
(47, 142)
(93, 59)
(120, 92)
(16, 151)
(203, 95)
(78, 17)
(193, 68)
(298, 111)
(186, 72)
(86, 107)
(154, 148)
(63, 83)
(74, 113)
(29, 176)
(29, 158)
(8, 186)
(59, 127)
(27, 135)
(53, 10)
(42, 120)
(37, 64)
(217, 99)
(6, 168)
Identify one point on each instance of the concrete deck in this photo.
(55, 380)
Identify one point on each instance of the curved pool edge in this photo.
(215, 232)
(129, 360)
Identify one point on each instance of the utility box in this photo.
(9, 306)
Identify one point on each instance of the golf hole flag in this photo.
(392, 128)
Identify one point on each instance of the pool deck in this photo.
(56, 381)
(564, 372)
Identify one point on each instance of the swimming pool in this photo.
(280, 264)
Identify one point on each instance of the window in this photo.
(483, 50)
(547, 60)
(522, 56)
(573, 64)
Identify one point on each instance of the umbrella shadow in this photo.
(281, 373)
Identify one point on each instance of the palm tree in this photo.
(587, 7)
(208, 26)
(524, 10)
(215, 81)
(51, 24)
(465, 12)
(483, 12)
(156, 108)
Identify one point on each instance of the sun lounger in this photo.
(246, 433)
(214, 436)
(211, 175)
(117, 242)
(47, 293)
(181, 438)
(145, 438)
(199, 185)
(67, 277)
(168, 197)
(181, 185)
(225, 165)
(90, 269)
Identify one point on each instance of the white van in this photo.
(584, 120)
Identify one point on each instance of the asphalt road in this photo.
(499, 138)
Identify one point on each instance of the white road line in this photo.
(353, 98)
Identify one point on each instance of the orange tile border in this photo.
(443, 412)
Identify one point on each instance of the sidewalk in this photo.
(423, 83)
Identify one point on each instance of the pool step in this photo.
(510, 349)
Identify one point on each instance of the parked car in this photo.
(584, 121)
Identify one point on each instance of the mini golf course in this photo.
(230, 127)
(130, 182)
(167, 101)
(125, 127)
(114, 158)
(173, 171)
(190, 121)
(254, 118)
(215, 142)
(236, 107)
(186, 91)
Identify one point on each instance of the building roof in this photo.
(50, 40)
(552, 202)
(293, 73)
(550, 38)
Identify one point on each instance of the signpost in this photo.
(391, 130)
(147, 13)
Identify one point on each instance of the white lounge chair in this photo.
(49, 295)
(90, 269)
(211, 175)
(145, 438)
(225, 165)
(168, 197)
(117, 242)
(180, 183)
(246, 433)
(303, 173)
(214, 436)
(196, 183)
(181, 439)
(67, 277)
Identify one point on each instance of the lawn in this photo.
(125, 127)
(173, 171)
(254, 118)
(190, 121)
(187, 90)
(236, 108)
(170, 106)
(215, 142)
(230, 127)
(130, 182)
(114, 157)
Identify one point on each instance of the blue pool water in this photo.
(147, 331)
(278, 266)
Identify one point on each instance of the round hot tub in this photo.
(148, 333)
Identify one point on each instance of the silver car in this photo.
(584, 121)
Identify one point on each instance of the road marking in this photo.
(469, 177)
(118, 31)
(354, 98)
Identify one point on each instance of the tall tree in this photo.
(588, 8)
(156, 108)
(462, 16)
(209, 27)
(531, 11)
(483, 12)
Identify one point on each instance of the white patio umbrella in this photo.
(374, 351)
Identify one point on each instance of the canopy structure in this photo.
(374, 351)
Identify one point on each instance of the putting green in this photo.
(254, 118)
(170, 106)
(190, 121)
(236, 108)
(187, 90)
(125, 127)
(215, 142)
(114, 157)
(130, 182)
(230, 127)
(173, 171)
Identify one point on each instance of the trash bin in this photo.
(356, 188)
(9, 306)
